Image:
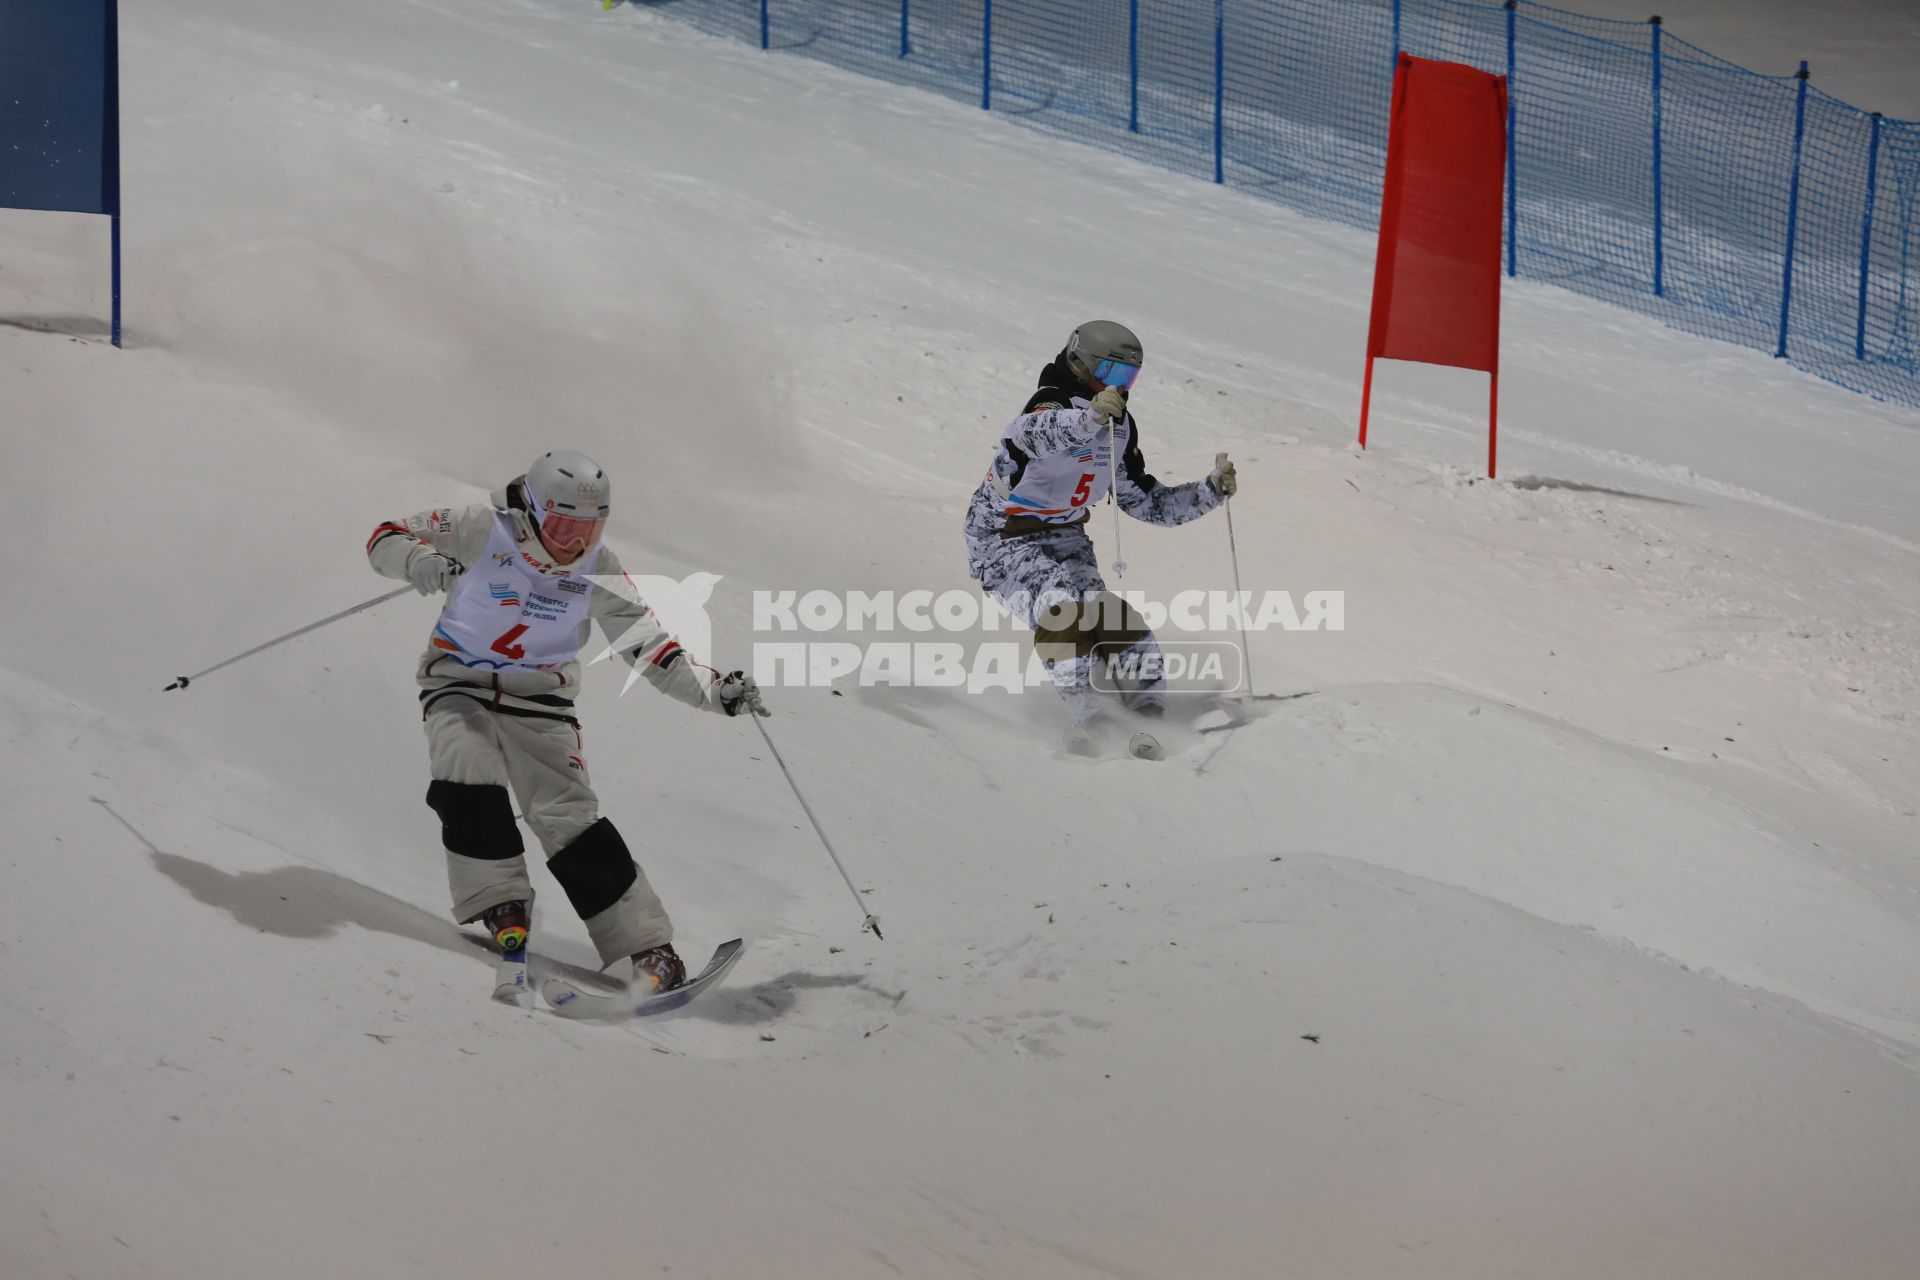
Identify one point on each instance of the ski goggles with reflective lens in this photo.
(563, 532)
(569, 533)
(1115, 373)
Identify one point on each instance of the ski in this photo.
(1080, 740)
(1241, 712)
(1217, 715)
(510, 977)
(570, 1001)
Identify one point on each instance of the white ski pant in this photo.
(479, 754)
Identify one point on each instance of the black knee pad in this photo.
(1075, 628)
(476, 819)
(1064, 632)
(595, 869)
(1119, 622)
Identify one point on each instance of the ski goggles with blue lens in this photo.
(1115, 373)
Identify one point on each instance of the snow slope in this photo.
(1589, 864)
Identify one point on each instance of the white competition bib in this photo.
(506, 613)
(1058, 488)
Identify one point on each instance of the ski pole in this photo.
(1239, 603)
(1113, 501)
(872, 921)
(181, 682)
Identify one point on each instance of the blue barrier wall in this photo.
(1645, 171)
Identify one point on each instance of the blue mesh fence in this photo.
(1644, 170)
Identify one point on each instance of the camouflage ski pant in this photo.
(1085, 634)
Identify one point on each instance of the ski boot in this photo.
(658, 969)
(507, 922)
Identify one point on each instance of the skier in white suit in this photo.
(1026, 526)
(524, 575)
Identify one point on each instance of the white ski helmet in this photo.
(1105, 352)
(568, 496)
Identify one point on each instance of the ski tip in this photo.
(569, 1001)
(559, 994)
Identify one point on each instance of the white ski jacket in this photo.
(461, 534)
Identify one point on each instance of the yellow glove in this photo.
(1110, 405)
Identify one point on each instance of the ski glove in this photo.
(737, 692)
(1222, 479)
(1110, 405)
(433, 572)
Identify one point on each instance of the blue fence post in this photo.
(110, 153)
(1793, 207)
(1866, 238)
(1220, 91)
(1133, 66)
(763, 24)
(116, 279)
(1513, 198)
(1396, 37)
(906, 45)
(986, 57)
(1659, 194)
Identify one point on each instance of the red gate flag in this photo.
(1436, 279)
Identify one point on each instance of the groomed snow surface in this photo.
(1570, 928)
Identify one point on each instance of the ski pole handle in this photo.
(181, 682)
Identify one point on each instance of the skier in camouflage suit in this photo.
(1026, 532)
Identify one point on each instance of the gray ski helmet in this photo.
(569, 497)
(1106, 352)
